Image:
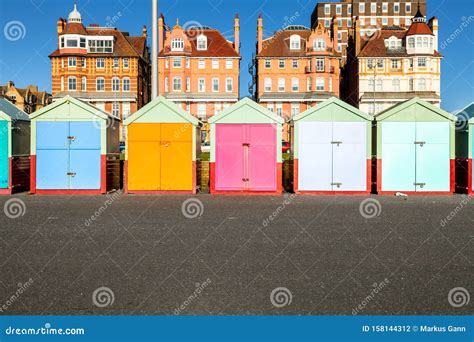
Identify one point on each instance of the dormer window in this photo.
(295, 42)
(202, 43)
(177, 44)
(393, 43)
(319, 45)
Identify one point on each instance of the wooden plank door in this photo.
(261, 144)
(4, 154)
(229, 161)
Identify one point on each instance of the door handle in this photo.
(71, 137)
(166, 144)
(245, 179)
(336, 143)
(421, 143)
(246, 144)
(421, 185)
(337, 184)
(71, 174)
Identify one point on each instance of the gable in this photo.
(415, 110)
(246, 111)
(333, 109)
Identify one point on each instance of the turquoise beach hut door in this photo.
(3, 154)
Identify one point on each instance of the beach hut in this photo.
(415, 149)
(331, 146)
(14, 149)
(163, 142)
(464, 145)
(74, 149)
(246, 155)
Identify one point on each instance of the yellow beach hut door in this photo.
(160, 157)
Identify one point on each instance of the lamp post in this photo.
(154, 50)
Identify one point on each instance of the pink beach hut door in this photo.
(230, 163)
(261, 168)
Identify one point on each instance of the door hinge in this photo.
(336, 143)
(421, 143)
(337, 184)
(421, 185)
(71, 137)
(71, 174)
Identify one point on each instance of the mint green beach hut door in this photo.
(3, 154)
(432, 156)
(398, 156)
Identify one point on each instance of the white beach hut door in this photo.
(315, 156)
(349, 156)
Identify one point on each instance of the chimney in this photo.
(357, 36)
(145, 31)
(10, 85)
(259, 34)
(61, 25)
(434, 27)
(335, 30)
(161, 32)
(237, 33)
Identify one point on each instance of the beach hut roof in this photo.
(165, 104)
(467, 113)
(10, 111)
(246, 102)
(69, 99)
(406, 104)
(332, 101)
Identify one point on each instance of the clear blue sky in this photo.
(25, 61)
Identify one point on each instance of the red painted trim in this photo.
(469, 174)
(333, 193)
(452, 176)
(68, 192)
(103, 174)
(369, 176)
(279, 178)
(33, 174)
(379, 176)
(10, 173)
(212, 176)
(125, 176)
(5, 191)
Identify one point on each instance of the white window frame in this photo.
(229, 64)
(295, 63)
(215, 64)
(202, 64)
(267, 86)
(116, 62)
(320, 65)
(125, 82)
(201, 85)
(115, 84)
(327, 9)
(201, 43)
(177, 63)
(215, 82)
(69, 79)
(72, 62)
(126, 63)
(84, 83)
(281, 84)
(188, 84)
(320, 84)
(268, 63)
(177, 44)
(281, 64)
(295, 84)
(100, 63)
(177, 84)
(229, 85)
(97, 88)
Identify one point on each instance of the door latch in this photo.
(71, 174)
(421, 143)
(337, 184)
(245, 179)
(246, 144)
(336, 143)
(71, 137)
(421, 185)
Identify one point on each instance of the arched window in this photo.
(422, 84)
(177, 44)
(126, 84)
(84, 83)
(411, 43)
(295, 42)
(115, 84)
(72, 86)
(202, 42)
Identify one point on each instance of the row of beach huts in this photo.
(71, 147)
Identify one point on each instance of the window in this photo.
(167, 86)
(202, 42)
(320, 64)
(411, 85)
(229, 85)
(270, 107)
(281, 64)
(100, 46)
(330, 84)
(349, 22)
(380, 63)
(100, 84)
(167, 64)
(268, 84)
(177, 44)
(202, 64)
(371, 84)
(385, 7)
(116, 109)
(396, 84)
(295, 42)
(419, 42)
(422, 84)
(217, 108)
(201, 85)
(71, 62)
(379, 86)
(309, 84)
(349, 9)
(408, 8)
(188, 84)
(62, 43)
(373, 7)
(100, 63)
(84, 83)
(407, 21)
(384, 21)
(411, 63)
(425, 42)
(295, 84)
(281, 84)
(279, 109)
(229, 64)
(320, 84)
(327, 23)
(361, 8)
(62, 83)
(338, 9)
(373, 21)
(339, 22)
(115, 84)
(215, 64)
(396, 7)
(215, 85)
(319, 45)
(395, 64)
(188, 63)
(327, 9)
(177, 63)
(72, 83)
(396, 21)
(295, 64)
(126, 84)
(295, 109)
(177, 84)
(125, 109)
(422, 62)
(411, 43)
(370, 63)
(268, 64)
(71, 43)
(116, 63)
(201, 112)
(83, 62)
